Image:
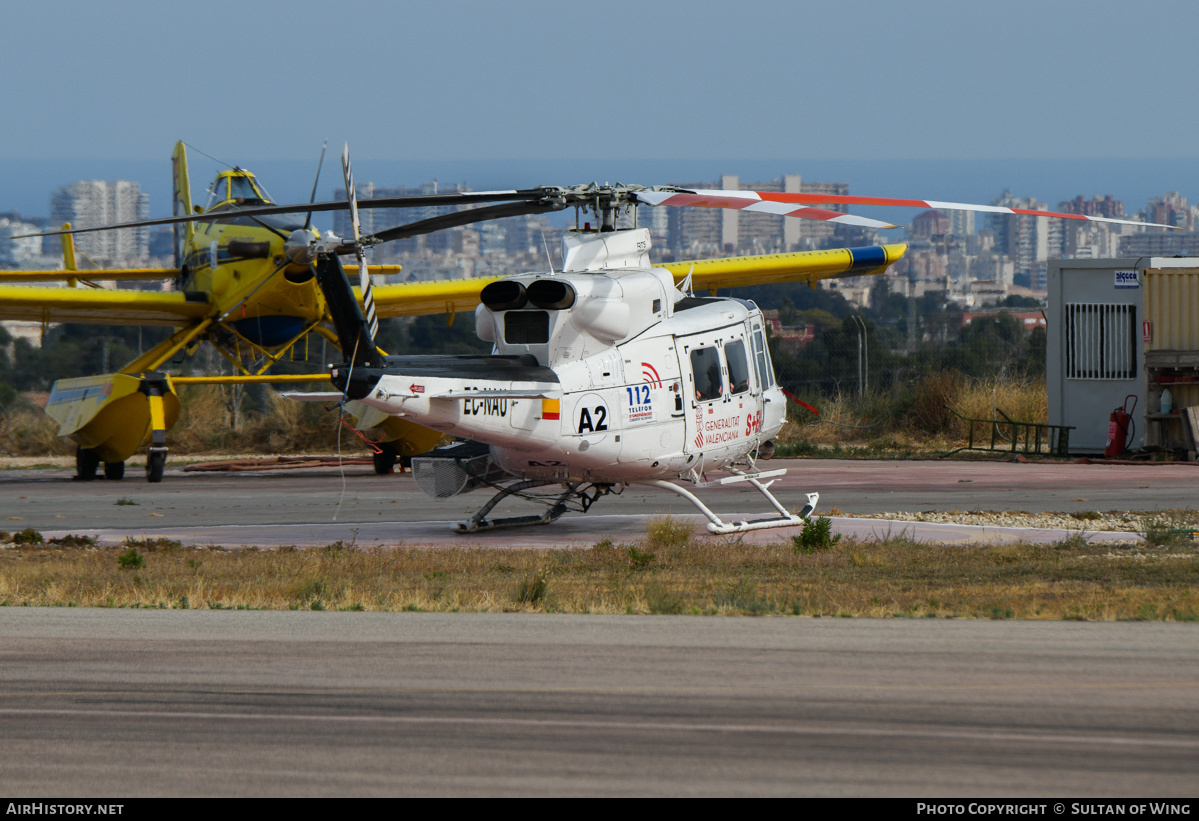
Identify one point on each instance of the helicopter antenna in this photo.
(546, 246)
(685, 285)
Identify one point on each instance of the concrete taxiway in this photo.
(168, 703)
(126, 703)
(323, 505)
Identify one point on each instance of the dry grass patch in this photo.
(283, 426)
(889, 578)
(910, 420)
(27, 431)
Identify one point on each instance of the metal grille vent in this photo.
(1100, 341)
(452, 470)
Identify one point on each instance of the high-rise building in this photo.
(930, 224)
(1025, 238)
(1106, 206)
(1169, 209)
(1160, 244)
(17, 252)
(90, 203)
(961, 223)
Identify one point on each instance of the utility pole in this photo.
(863, 355)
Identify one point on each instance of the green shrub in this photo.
(130, 559)
(28, 536)
(817, 534)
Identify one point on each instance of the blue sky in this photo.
(612, 79)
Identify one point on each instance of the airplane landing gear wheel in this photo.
(385, 460)
(86, 462)
(156, 461)
(114, 470)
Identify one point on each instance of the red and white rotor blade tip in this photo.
(756, 202)
(779, 201)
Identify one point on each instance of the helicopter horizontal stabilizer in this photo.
(516, 393)
(321, 396)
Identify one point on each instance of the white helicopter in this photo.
(605, 374)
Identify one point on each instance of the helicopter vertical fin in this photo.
(181, 202)
(354, 335)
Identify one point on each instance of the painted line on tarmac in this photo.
(970, 534)
(984, 734)
(573, 532)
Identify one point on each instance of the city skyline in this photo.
(25, 187)
(658, 80)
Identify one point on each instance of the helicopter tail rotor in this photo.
(364, 278)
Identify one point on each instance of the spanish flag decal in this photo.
(549, 408)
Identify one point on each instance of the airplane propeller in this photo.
(312, 198)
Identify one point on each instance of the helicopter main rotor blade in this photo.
(415, 201)
(756, 202)
(603, 199)
(794, 204)
(466, 217)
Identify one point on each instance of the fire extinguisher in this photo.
(1119, 423)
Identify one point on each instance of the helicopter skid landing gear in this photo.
(555, 506)
(715, 525)
(478, 522)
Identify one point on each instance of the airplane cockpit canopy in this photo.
(238, 188)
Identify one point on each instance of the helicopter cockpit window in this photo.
(762, 355)
(705, 364)
(734, 354)
(527, 327)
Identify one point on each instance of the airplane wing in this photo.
(104, 274)
(452, 296)
(447, 296)
(127, 306)
(101, 306)
(107, 306)
(801, 266)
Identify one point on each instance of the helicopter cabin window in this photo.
(705, 364)
(527, 327)
(762, 357)
(738, 365)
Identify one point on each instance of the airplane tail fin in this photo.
(181, 203)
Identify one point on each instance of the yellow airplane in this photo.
(246, 284)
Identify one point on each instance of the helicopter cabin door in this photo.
(723, 399)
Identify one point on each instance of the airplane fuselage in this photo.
(240, 262)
